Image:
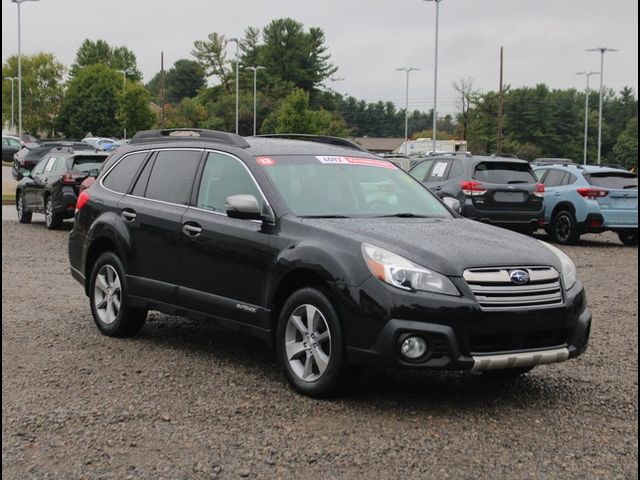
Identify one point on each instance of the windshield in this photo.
(86, 164)
(504, 172)
(615, 180)
(323, 186)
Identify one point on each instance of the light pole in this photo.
(237, 42)
(124, 91)
(586, 112)
(406, 106)
(435, 77)
(13, 125)
(255, 90)
(19, 2)
(602, 50)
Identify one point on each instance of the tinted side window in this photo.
(140, 187)
(172, 176)
(421, 170)
(122, 174)
(569, 179)
(456, 169)
(40, 167)
(554, 179)
(222, 177)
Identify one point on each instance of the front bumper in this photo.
(463, 337)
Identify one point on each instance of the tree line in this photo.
(104, 94)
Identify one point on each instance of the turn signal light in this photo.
(593, 193)
(472, 188)
(83, 198)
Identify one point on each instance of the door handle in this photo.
(438, 187)
(128, 215)
(191, 229)
(557, 194)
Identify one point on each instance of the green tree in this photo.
(295, 56)
(99, 51)
(212, 56)
(189, 113)
(295, 116)
(42, 90)
(184, 80)
(625, 150)
(134, 112)
(91, 103)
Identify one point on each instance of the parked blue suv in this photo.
(589, 199)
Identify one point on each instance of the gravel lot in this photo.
(184, 401)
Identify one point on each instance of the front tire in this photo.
(109, 299)
(52, 219)
(564, 228)
(311, 346)
(24, 215)
(629, 238)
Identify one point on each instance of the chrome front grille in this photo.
(494, 289)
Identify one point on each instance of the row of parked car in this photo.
(564, 198)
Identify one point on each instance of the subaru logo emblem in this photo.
(520, 277)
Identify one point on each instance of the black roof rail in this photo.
(446, 154)
(338, 141)
(182, 134)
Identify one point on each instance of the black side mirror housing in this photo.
(94, 172)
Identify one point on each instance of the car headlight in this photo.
(402, 273)
(569, 274)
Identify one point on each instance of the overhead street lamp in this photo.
(255, 89)
(237, 42)
(406, 105)
(586, 112)
(435, 77)
(602, 51)
(13, 125)
(19, 2)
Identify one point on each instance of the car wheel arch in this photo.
(563, 206)
(99, 245)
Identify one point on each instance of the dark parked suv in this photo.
(494, 190)
(334, 256)
(52, 187)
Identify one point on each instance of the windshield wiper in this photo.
(403, 215)
(324, 216)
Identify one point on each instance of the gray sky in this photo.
(544, 40)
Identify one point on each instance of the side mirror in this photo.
(94, 172)
(25, 172)
(245, 207)
(453, 204)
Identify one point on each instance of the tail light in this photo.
(539, 190)
(83, 198)
(593, 193)
(473, 188)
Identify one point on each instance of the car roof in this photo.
(280, 146)
(575, 168)
(475, 158)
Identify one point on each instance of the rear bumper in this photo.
(514, 218)
(66, 202)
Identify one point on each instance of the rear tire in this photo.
(24, 215)
(109, 299)
(311, 347)
(629, 238)
(507, 372)
(564, 228)
(52, 219)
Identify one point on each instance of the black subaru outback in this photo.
(335, 256)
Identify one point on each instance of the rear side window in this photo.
(121, 176)
(172, 176)
(222, 177)
(439, 171)
(613, 180)
(504, 173)
(421, 170)
(456, 169)
(554, 179)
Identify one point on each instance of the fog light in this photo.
(413, 348)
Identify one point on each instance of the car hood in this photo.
(448, 246)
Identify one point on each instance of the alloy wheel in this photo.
(20, 206)
(107, 294)
(308, 343)
(564, 226)
(48, 212)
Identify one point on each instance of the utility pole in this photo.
(124, 91)
(237, 42)
(13, 125)
(586, 113)
(435, 77)
(602, 51)
(255, 91)
(500, 104)
(406, 106)
(162, 89)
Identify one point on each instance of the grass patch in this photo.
(6, 164)
(9, 199)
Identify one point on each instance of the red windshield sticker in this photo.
(265, 161)
(369, 162)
